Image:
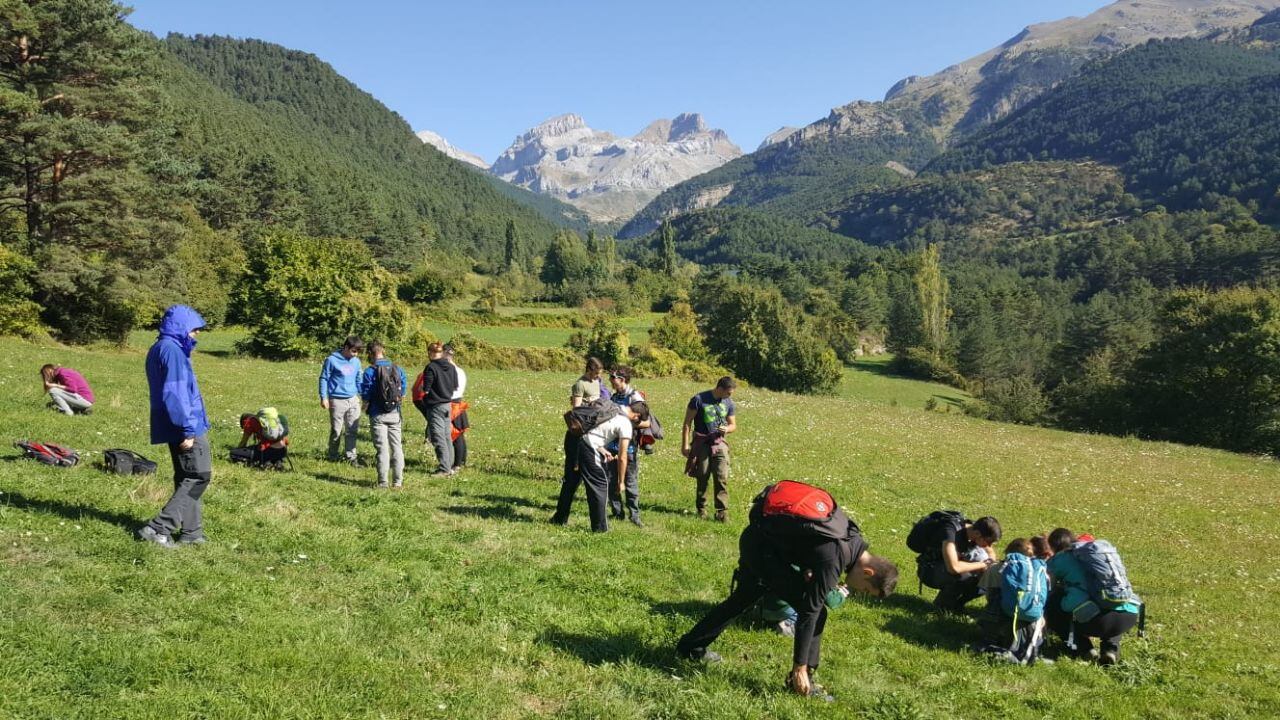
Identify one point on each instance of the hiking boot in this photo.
(706, 657)
(635, 520)
(382, 486)
(1109, 657)
(357, 462)
(557, 520)
(722, 516)
(193, 540)
(702, 514)
(87, 411)
(441, 474)
(149, 534)
(785, 628)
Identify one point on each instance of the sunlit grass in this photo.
(323, 597)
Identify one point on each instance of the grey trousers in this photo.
(68, 403)
(192, 471)
(388, 441)
(439, 428)
(344, 423)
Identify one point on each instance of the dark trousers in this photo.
(954, 591)
(460, 445)
(631, 487)
(758, 573)
(1109, 627)
(570, 456)
(192, 471)
(590, 473)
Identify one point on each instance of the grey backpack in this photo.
(1108, 581)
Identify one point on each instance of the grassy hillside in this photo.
(322, 597)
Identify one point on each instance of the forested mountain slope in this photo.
(278, 132)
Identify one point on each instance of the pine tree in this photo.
(75, 131)
(511, 253)
(668, 234)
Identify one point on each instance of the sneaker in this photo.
(357, 462)
(635, 520)
(195, 540)
(87, 411)
(1109, 657)
(785, 628)
(441, 474)
(148, 534)
(557, 520)
(382, 486)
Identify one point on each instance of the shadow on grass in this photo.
(602, 648)
(340, 480)
(489, 512)
(692, 609)
(918, 622)
(127, 523)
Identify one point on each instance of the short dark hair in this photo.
(621, 371)
(376, 347)
(353, 343)
(726, 383)
(594, 365)
(640, 408)
(1040, 546)
(1061, 540)
(989, 528)
(885, 575)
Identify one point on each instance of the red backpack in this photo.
(795, 508)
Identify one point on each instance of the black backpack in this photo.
(589, 415)
(926, 535)
(386, 386)
(126, 462)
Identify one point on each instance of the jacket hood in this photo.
(180, 320)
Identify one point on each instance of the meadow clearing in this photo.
(320, 596)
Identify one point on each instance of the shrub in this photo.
(1016, 400)
(428, 286)
(678, 332)
(19, 314)
(758, 334)
(302, 295)
(474, 353)
(605, 339)
(653, 362)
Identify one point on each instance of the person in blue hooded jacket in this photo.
(178, 420)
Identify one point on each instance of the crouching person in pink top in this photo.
(67, 389)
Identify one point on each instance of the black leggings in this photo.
(1109, 626)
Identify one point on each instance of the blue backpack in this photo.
(1108, 581)
(1024, 587)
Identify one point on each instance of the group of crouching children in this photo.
(1074, 586)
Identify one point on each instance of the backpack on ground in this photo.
(48, 453)
(797, 509)
(926, 535)
(1106, 578)
(386, 386)
(126, 462)
(1024, 587)
(590, 415)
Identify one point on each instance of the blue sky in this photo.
(481, 72)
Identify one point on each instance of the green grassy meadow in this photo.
(322, 597)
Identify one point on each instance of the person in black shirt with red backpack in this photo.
(796, 545)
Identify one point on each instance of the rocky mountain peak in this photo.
(437, 141)
(608, 176)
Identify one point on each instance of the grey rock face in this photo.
(607, 176)
(438, 142)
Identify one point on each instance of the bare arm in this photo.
(955, 565)
(685, 431)
(731, 425)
